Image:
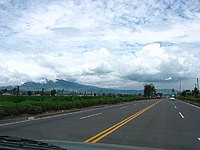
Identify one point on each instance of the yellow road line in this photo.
(108, 131)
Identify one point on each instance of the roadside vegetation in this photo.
(13, 105)
(191, 96)
(188, 96)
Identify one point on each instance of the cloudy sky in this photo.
(106, 43)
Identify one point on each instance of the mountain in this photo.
(68, 86)
(72, 86)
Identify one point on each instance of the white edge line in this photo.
(181, 115)
(5, 124)
(90, 115)
(190, 104)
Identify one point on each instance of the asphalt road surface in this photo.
(160, 124)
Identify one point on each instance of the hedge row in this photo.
(35, 106)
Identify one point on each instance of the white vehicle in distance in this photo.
(172, 97)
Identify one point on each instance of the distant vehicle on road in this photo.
(172, 97)
(158, 96)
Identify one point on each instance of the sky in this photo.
(120, 44)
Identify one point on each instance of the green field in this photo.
(10, 106)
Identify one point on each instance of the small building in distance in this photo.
(7, 94)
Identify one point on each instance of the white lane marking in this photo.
(122, 107)
(5, 124)
(90, 115)
(175, 107)
(181, 115)
(199, 139)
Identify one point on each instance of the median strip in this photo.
(108, 131)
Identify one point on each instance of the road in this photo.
(160, 124)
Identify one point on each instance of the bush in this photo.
(33, 110)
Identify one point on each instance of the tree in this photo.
(195, 92)
(14, 91)
(149, 90)
(29, 93)
(53, 92)
(5, 90)
(186, 93)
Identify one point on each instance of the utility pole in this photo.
(61, 94)
(180, 87)
(197, 84)
(41, 95)
(17, 95)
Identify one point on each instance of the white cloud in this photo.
(101, 67)
(105, 43)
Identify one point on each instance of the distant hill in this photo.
(72, 86)
(69, 86)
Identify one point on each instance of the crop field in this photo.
(13, 106)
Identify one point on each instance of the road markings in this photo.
(181, 115)
(123, 107)
(90, 115)
(64, 114)
(5, 124)
(199, 139)
(175, 107)
(108, 131)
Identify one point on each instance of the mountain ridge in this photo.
(59, 84)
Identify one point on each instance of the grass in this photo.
(190, 99)
(10, 106)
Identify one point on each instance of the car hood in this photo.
(69, 145)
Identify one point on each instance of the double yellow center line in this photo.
(108, 131)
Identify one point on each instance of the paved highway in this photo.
(160, 124)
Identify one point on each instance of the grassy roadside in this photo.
(33, 105)
(191, 100)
